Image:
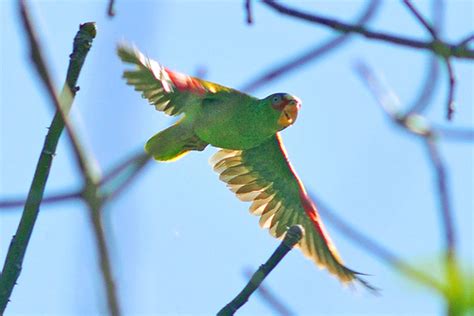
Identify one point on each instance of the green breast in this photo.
(235, 121)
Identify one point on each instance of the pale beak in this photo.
(289, 114)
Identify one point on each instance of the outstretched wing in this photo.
(264, 176)
(169, 91)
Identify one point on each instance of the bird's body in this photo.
(252, 160)
(234, 123)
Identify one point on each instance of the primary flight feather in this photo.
(252, 160)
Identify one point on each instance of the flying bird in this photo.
(252, 159)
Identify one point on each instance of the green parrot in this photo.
(252, 159)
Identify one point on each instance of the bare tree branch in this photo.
(437, 47)
(54, 198)
(269, 298)
(433, 30)
(121, 176)
(431, 80)
(467, 40)
(62, 105)
(16, 252)
(248, 11)
(420, 18)
(451, 87)
(292, 237)
(114, 181)
(438, 17)
(454, 134)
(443, 195)
(111, 8)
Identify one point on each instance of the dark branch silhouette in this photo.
(109, 186)
(111, 8)
(248, 11)
(269, 297)
(451, 87)
(437, 47)
(292, 237)
(420, 18)
(54, 198)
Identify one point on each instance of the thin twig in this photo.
(438, 13)
(292, 237)
(447, 60)
(293, 64)
(16, 251)
(92, 199)
(431, 80)
(451, 87)
(312, 54)
(94, 203)
(467, 40)
(117, 181)
(371, 246)
(113, 182)
(454, 134)
(248, 11)
(278, 308)
(446, 216)
(111, 8)
(81, 158)
(420, 18)
(54, 198)
(443, 195)
(437, 47)
(122, 166)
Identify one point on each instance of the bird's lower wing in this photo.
(264, 176)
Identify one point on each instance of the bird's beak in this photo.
(289, 113)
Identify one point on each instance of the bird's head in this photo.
(287, 107)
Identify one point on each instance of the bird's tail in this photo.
(174, 142)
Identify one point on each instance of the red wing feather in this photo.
(169, 91)
(264, 176)
(186, 83)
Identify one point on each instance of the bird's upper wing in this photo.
(169, 91)
(264, 176)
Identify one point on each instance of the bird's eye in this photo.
(276, 99)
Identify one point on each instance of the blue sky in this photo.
(179, 238)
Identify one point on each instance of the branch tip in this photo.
(248, 11)
(17, 249)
